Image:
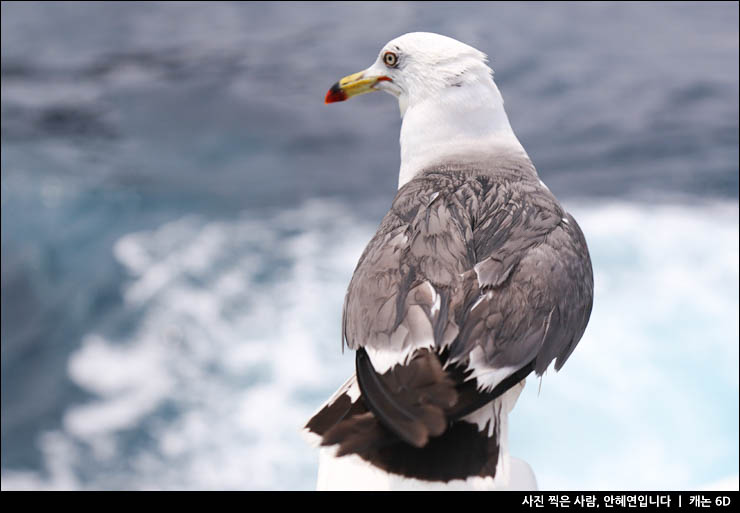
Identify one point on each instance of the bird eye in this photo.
(390, 59)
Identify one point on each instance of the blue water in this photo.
(181, 215)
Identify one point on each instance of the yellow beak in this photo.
(353, 85)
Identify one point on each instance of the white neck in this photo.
(457, 121)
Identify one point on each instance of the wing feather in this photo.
(482, 266)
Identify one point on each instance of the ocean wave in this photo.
(235, 341)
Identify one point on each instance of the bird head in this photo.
(415, 67)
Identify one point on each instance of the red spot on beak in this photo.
(335, 94)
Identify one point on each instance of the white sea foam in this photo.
(237, 343)
(726, 484)
(649, 398)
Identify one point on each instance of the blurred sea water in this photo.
(181, 215)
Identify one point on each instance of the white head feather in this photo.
(448, 100)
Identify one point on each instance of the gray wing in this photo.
(486, 265)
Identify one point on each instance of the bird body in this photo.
(475, 278)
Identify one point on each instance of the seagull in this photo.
(476, 277)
